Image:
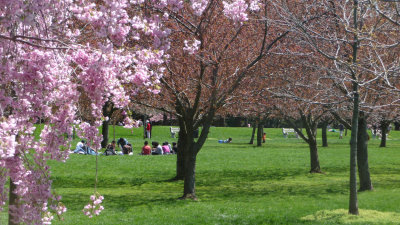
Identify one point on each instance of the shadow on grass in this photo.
(157, 191)
(211, 186)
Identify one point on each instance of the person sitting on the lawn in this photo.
(174, 148)
(84, 149)
(165, 148)
(229, 140)
(125, 146)
(79, 147)
(157, 149)
(110, 150)
(146, 150)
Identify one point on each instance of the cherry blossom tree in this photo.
(362, 46)
(50, 50)
(214, 46)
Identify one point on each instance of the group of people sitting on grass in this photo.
(126, 148)
(157, 149)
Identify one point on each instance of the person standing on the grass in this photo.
(341, 129)
(264, 137)
(148, 129)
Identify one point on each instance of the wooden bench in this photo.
(174, 131)
(287, 131)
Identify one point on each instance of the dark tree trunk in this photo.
(397, 126)
(114, 132)
(104, 132)
(311, 139)
(180, 159)
(13, 200)
(73, 132)
(144, 127)
(259, 133)
(165, 119)
(353, 202)
(362, 154)
(221, 122)
(324, 136)
(311, 129)
(315, 168)
(253, 133)
(108, 109)
(190, 172)
(384, 128)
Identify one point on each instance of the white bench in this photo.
(377, 134)
(173, 131)
(287, 131)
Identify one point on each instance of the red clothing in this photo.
(146, 150)
(148, 127)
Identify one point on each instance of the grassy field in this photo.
(236, 183)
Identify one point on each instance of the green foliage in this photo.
(236, 183)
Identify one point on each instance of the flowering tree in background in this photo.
(49, 50)
(362, 46)
(214, 46)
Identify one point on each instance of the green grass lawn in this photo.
(236, 183)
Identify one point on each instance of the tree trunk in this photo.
(144, 127)
(311, 139)
(259, 133)
(315, 167)
(190, 171)
(362, 155)
(397, 126)
(165, 119)
(114, 131)
(384, 128)
(253, 133)
(180, 159)
(353, 202)
(324, 136)
(73, 132)
(104, 132)
(12, 201)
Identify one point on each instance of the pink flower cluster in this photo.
(236, 10)
(94, 207)
(47, 215)
(198, 6)
(193, 47)
(254, 5)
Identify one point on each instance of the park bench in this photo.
(287, 131)
(378, 134)
(173, 131)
